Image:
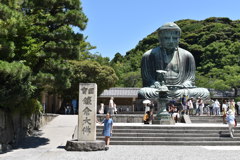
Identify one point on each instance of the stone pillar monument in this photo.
(87, 110)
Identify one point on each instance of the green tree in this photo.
(15, 83)
(226, 78)
(37, 42)
(132, 79)
(117, 58)
(89, 71)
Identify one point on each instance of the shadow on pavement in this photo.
(61, 147)
(33, 141)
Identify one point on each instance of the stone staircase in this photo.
(138, 118)
(209, 119)
(171, 135)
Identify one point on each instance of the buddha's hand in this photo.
(156, 85)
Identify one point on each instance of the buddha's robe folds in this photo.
(179, 77)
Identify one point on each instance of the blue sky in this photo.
(118, 25)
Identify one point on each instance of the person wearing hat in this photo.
(231, 122)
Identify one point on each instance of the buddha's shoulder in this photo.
(152, 51)
(185, 52)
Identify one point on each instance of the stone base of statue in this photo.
(75, 145)
(164, 122)
(163, 118)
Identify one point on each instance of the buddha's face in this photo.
(169, 39)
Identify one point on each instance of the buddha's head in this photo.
(169, 35)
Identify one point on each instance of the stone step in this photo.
(151, 127)
(168, 139)
(165, 131)
(172, 135)
(138, 118)
(179, 135)
(181, 143)
(207, 120)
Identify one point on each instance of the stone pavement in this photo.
(48, 145)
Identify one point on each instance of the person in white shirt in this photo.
(200, 106)
(101, 109)
(216, 107)
(190, 107)
(111, 106)
(224, 110)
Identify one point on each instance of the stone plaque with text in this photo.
(87, 112)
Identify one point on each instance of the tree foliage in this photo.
(39, 50)
(15, 83)
(89, 71)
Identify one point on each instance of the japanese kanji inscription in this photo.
(87, 112)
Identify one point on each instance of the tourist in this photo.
(216, 107)
(151, 105)
(146, 117)
(190, 106)
(224, 110)
(175, 114)
(184, 104)
(197, 107)
(107, 129)
(172, 101)
(101, 109)
(231, 122)
(200, 106)
(111, 106)
(231, 105)
(237, 108)
(211, 107)
(147, 107)
(151, 117)
(115, 108)
(74, 106)
(170, 109)
(68, 109)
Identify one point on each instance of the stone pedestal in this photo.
(163, 118)
(75, 145)
(164, 121)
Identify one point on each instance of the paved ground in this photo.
(48, 145)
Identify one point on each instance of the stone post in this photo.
(163, 117)
(87, 112)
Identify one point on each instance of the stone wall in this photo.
(123, 118)
(14, 127)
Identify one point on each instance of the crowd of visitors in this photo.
(191, 106)
(199, 107)
(111, 108)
